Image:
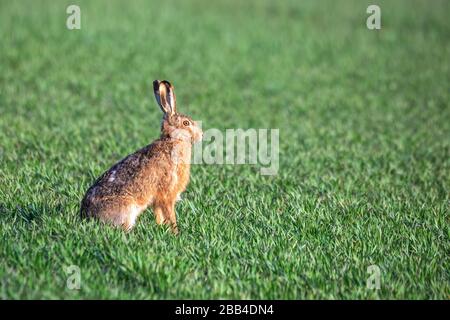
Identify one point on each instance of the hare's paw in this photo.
(175, 229)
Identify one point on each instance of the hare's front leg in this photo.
(159, 215)
(173, 217)
(164, 210)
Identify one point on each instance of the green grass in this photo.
(364, 121)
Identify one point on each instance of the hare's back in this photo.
(121, 177)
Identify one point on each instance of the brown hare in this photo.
(153, 176)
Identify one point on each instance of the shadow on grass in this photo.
(33, 212)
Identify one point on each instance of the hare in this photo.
(153, 176)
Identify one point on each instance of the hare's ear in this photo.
(165, 96)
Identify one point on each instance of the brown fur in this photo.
(153, 176)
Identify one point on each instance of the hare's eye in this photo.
(186, 123)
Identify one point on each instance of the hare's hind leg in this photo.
(120, 213)
(130, 215)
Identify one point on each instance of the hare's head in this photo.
(174, 125)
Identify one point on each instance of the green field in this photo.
(364, 175)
